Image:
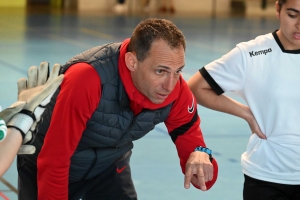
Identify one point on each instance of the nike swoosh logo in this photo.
(120, 170)
(191, 109)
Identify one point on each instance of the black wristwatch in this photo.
(205, 150)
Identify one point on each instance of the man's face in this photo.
(156, 76)
(289, 17)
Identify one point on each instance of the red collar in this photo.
(134, 95)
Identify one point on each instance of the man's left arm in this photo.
(183, 125)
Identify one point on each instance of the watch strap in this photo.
(205, 150)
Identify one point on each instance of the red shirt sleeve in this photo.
(183, 125)
(78, 98)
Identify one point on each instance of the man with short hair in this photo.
(112, 95)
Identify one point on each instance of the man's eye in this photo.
(159, 71)
(179, 71)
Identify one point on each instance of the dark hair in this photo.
(281, 2)
(150, 30)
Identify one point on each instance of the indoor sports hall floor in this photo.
(27, 38)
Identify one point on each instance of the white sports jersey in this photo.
(267, 77)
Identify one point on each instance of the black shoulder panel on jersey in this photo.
(184, 128)
(218, 90)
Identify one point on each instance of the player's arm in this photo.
(207, 97)
(21, 116)
(225, 74)
(9, 148)
(11, 139)
(213, 98)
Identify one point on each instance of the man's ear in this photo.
(131, 61)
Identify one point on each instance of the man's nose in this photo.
(169, 83)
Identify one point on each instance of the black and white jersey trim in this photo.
(218, 90)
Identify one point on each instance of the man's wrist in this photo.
(205, 150)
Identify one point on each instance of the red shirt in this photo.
(79, 97)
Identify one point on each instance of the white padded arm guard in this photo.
(22, 121)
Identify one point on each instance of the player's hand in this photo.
(198, 170)
(36, 92)
(254, 126)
